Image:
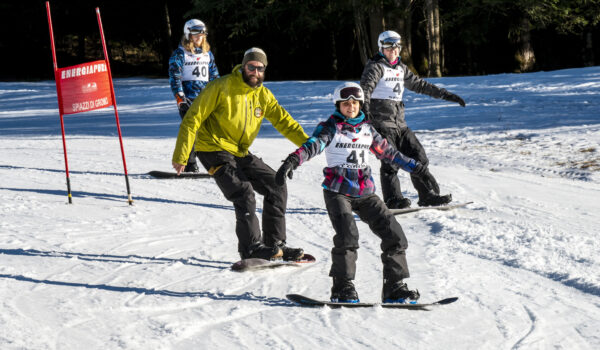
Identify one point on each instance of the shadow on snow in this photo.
(129, 259)
(248, 296)
(136, 259)
(123, 198)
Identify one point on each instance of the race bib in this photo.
(350, 148)
(195, 67)
(391, 85)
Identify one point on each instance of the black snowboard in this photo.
(437, 207)
(305, 301)
(260, 264)
(173, 175)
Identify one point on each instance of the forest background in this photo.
(305, 39)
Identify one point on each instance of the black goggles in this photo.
(391, 43)
(252, 68)
(198, 30)
(351, 92)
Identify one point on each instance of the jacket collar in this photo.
(380, 57)
(354, 121)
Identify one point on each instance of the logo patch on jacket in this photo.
(258, 112)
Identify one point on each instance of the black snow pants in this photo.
(238, 178)
(192, 156)
(372, 211)
(406, 142)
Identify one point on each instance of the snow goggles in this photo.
(389, 43)
(351, 92)
(252, 68)
(198, 30)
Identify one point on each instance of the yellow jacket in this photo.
(227, 116)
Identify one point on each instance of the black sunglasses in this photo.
(252, 68)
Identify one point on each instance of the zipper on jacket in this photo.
(245, 119)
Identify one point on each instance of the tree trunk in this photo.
(433, 37)
(167, 48)
(442, 51)
(401, 21)
(376, 25)
(334, 60)
(588, 48)
(360, 31)
(331, 32)
(525, 56)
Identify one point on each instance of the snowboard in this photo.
(437, 207)
(173, 175)
(305, 301)
(261, 264)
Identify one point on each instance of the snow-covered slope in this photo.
(100, 274)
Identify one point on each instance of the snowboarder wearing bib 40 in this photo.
(383, 80)
(191, 67)
(348, 141)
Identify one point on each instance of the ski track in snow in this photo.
(100, 274)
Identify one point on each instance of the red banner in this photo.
(84, 87)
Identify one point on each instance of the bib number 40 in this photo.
(199, 73)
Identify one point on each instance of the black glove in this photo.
(286, 169)
(184, 105)
(419, 169)
(454, 98)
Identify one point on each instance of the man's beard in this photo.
(259, 79)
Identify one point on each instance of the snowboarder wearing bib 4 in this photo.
(224, 120)
(383, 80)
(191, 67)
(349, 141)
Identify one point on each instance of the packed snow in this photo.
(101, 274)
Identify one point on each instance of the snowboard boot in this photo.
(343, 291)
(398, 203)
(432, 199)
(261, 251)
(290, 254)
(398, 292)
(191, 168)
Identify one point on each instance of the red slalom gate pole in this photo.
(60, 108)
(112, 94)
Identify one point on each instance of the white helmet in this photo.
(388, 39)
(348, 91)
(194, 26)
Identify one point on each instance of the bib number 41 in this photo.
(353, 158)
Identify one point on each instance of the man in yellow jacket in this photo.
(224, 120)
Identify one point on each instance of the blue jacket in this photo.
(191, 89)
